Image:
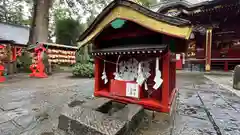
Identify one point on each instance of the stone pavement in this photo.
(30, 106)
(205, 107)
(224, 81)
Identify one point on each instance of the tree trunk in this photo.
(5, 11)
(39, 28)
(33, 24)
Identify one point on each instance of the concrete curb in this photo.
(206, 73)
(219, 73)
(224, 86)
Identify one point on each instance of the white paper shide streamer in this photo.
(140, 78)
(104, 75)
(117, 76)
(158, 80)
(133, 70)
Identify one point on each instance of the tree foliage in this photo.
(61, 14)
(22, 12)
(89, 8)
(146, 3)
(67, 31)
(12, 11)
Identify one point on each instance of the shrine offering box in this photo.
(125, 89)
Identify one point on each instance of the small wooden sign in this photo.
(132, 90)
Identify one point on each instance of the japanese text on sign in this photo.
(132, 90)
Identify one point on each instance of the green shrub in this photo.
(83, 70)
(24, 62)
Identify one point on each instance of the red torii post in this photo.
(38, 67)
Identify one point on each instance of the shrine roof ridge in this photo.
(165, 5)
(147, 12)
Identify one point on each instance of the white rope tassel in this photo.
(104, 76)
(158, 80)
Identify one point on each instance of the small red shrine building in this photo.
(133, 54)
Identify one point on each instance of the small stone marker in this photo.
(84, 121)
(236, 77)
(93, 118)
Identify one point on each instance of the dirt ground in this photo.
(31, 106)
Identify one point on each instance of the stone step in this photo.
(89, 120)
(133, 114)
(84, 121)
(97, 103)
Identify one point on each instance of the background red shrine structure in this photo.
(14, 38)
(9, 52)
(216, 31)
(133, 54)
(46, 56)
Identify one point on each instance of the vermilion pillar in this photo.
(208, 49)
(166, 82)
(97, 75)
(14, 53)
(225, 66)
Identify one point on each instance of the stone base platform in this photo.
(100, 117)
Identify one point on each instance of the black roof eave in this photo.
(130, 48)
(3, 41)
(188, 6)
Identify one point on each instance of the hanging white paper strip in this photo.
(158, 80)
(128, 69)
(116, 74)
(140, 78)
(178, 56)
(104, 75)
(183, 60)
